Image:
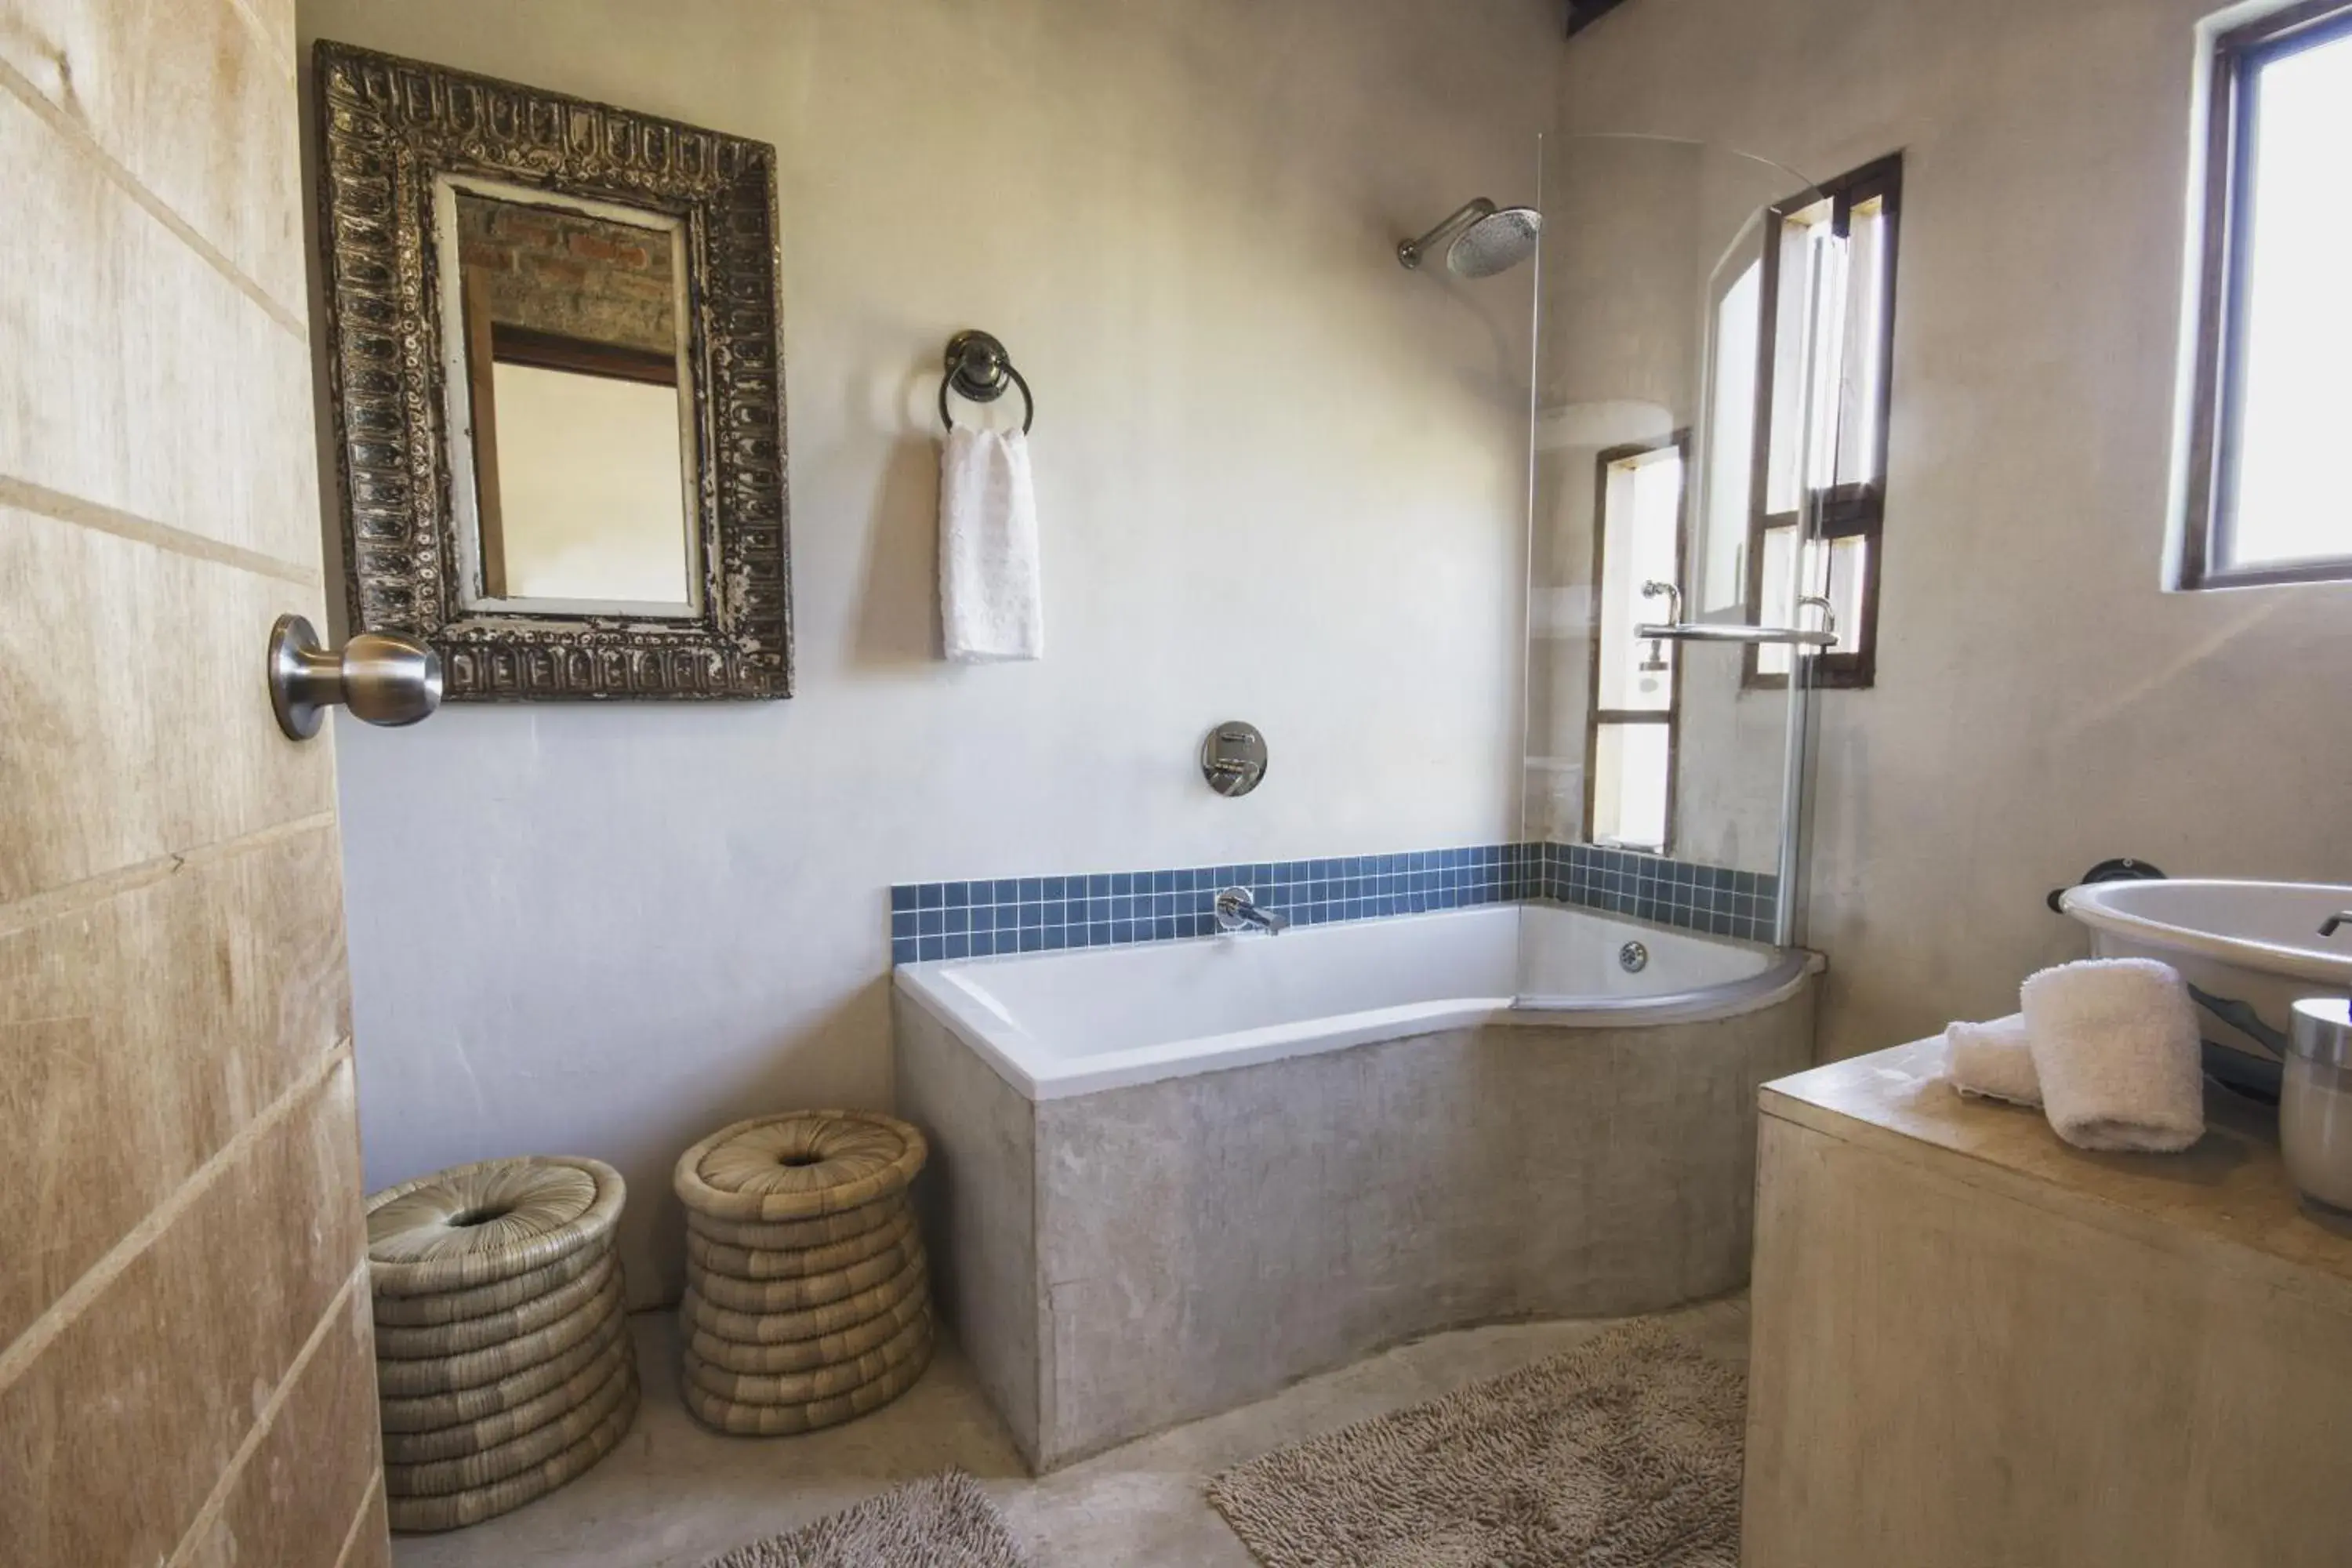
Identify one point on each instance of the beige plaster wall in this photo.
(2039, 704)
(1279, 478)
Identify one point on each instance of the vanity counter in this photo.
(1976, 1345)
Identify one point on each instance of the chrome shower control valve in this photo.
(1233, 758)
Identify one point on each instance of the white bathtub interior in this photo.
(1057, 1024)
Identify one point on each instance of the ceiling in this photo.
(1582, 13)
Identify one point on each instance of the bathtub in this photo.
(1170, 1178)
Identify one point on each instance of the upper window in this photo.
(2266, 499)
(1799, 381)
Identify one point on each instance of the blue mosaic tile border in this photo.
(1711, 898)
(1040, 914)
(1043, 914)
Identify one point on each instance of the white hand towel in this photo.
(1993, 1060)
(2116, 1046)
(992, 595)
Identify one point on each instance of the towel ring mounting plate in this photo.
(979, 370)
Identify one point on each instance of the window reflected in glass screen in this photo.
(1637, 693)
(1632, 779)
(2288, 501)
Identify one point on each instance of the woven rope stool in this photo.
(763, 1329)
(807, 1299)
(785, 1263)
(503, 1361)
(455, 1511)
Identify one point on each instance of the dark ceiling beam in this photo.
(1582, 13)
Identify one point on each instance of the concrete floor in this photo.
(674, 1494)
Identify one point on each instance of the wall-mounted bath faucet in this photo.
(1237, 911)
(2340, 917)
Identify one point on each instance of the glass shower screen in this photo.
(1688, 416)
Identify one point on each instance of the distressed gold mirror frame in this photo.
(388, 129)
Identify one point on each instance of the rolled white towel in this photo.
(2116, 1046)
(1993, 1060)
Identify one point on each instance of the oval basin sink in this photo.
(2249, 949)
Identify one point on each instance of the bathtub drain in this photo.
(1633, 958)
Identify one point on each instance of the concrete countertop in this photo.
(2229, 1193)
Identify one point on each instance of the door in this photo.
(186, 1370)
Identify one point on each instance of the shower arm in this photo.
(1411, 252)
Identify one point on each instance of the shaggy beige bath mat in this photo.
(1623, 1453)
(946, 1523)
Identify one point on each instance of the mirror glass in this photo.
(573, 450)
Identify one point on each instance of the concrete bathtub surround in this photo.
(1170, 1178)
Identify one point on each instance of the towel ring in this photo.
(980, 370)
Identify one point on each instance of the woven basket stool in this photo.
(777, 1329)
(503, 1361)
(807, 1301)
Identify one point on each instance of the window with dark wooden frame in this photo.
(1640, 530)
(1822, 273)
(2262, 495)
(510, 344)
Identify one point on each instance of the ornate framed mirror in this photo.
(555, 368)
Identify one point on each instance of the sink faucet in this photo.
(1237, 909)
(2340, 917)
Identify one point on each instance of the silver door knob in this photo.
(382, 678)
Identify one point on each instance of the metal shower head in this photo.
(1496, 243)
(1484, 239)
